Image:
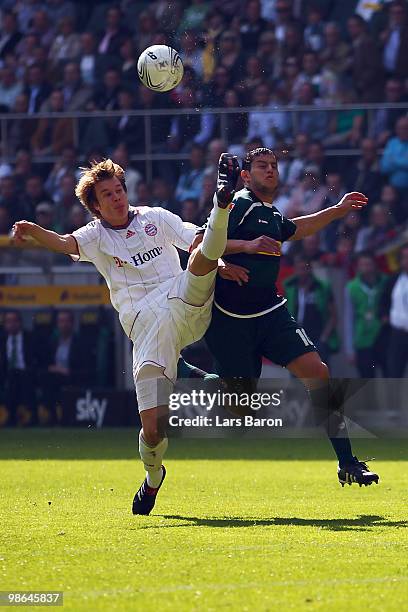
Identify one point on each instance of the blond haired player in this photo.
(161, 307)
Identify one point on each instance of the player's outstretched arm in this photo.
(310, 224)
(23, 230)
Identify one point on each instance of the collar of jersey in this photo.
(256, 199)
(131, 215)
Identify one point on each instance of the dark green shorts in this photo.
(238, 345)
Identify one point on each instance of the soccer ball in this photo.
(160, 68)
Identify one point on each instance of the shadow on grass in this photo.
(361, 523)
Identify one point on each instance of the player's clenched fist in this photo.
(228, 173)
(353, 200)
(263, 244)
(21, 230)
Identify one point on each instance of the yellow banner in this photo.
(61, 295)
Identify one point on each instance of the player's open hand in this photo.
(352, 201)
(233, 272)
(20, 231)
(263, 244)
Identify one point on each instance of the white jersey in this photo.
(137, 261)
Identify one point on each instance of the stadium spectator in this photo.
(268, 54)
(314, 31)
(43, 28)
(395, 312)
(254, 75)
(65, 200)
(395, 40)
(364, 332)
(113, 34)
(88, 58)
(288, 78)
(380, 230)
(316, 157)
(11, 200)
(77, 217)
(146, 29)
(335, 191)
(10, 35)
(298, 162)
(61, 9)
(53, 135)
(162, 195)
(310, 301)
(65, 364)
(76, 92)
(394, 162)
(6, 221)
(365, 175)
(190, 182)
(124, 128)
(324, 81)
(366, 64)
(66, 44)
(397, 205)
(284, 19)
(106, 96)
(314, 123)
(309, 196)
(10, 88)
(44, 215)
(336, 54)
(273, 127)
(191, 53)
(17, 363)
(252, 26)
(229, 55)
(143, 194)
(189, 211)
(34, 193)
(65, 164)
(193, 16)
(385, 119)
(293, 44)
(37, 89)
(120, 155)
(190, 129)
(23, 166)
(214, 91)
(128, 61)
(235, 123)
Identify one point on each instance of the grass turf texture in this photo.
(240, 525)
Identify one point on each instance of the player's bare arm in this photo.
(24, 230)
(310, 224)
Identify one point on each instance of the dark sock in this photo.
(186, 370)
(327, 402)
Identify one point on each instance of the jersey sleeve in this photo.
(178, 232)
(288, 228)
(87, 239)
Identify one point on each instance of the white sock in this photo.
(152, 459)
(215, 235)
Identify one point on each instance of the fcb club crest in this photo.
(150, 229)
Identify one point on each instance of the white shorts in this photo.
(168, 323)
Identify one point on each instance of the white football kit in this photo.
(147, 285)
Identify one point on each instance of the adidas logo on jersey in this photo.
(141, 258)
(129, 233)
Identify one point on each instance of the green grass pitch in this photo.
(239, 524)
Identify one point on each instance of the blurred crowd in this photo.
(58, 55)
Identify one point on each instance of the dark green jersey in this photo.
(249, 219)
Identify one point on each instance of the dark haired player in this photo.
(254, 317)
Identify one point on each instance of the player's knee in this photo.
(322, 371)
